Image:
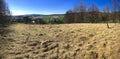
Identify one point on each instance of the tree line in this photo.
(81, 14)
(39, 20)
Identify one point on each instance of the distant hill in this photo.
(39, 15)
(20, 17)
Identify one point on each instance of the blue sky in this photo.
(20, 7)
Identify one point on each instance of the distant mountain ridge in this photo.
(40, 15)
(21, 17)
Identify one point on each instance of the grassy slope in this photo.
(64, 41)
(47, 18)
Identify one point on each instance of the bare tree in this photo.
(76, 9)
(4, 13)
(106, 15)
(114, 10)
(82, 7)
(69, 17)
(82, 13)
(79, 12)
(79, 8)
(119, 12)
(93, 13)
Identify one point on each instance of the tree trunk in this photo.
(108, 25)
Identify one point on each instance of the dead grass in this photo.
(63, 41)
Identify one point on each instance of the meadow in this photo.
(61, 41)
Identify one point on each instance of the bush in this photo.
(55, 21)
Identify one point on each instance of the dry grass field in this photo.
(63, 41)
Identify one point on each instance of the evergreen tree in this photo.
(4, 13)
